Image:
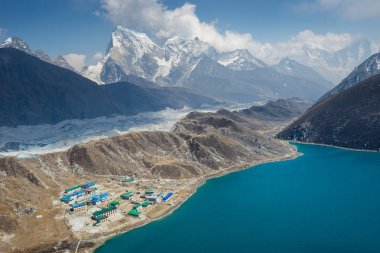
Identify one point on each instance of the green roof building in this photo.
(134, 212)
(73, 188)
(145, 204)
(105, 211)
(137, 206)
(149, 191)
(127, 195)
(127, 179)
(114, 203)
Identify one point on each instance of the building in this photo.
(149, 191)
(78, 207)
(90, 190)
(88, 185)
(127, 195)
(108, 211)
(128, 179)
(71, 189)
(100, 219)
(145, 204)
(167, 196)
(99, 198)
(153, 198)
(134, 212)
(71, 196)
(114, 203)
(137, 207)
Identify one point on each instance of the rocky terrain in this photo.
(200, 146)
(350, 119)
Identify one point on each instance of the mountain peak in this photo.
(291, 67)
(194, 47)
(240, 59)
(125, 39)
(18, 43)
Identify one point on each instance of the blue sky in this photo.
(84, 26)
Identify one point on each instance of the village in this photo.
(95, 207)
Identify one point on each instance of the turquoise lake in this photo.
(325, 201)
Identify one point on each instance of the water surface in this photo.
(325, 201)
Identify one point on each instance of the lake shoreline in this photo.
(290, 156)
(333, 146)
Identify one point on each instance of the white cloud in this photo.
(98, 56)
(152, 15)
(182, 21)
(375, 47)
(350, 9)
(77, 61)
(3, 31)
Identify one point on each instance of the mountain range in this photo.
(17, 43)
(335, 65)
(35, 92)
(235, 76)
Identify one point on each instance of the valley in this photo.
(199, 146)
(115, 113)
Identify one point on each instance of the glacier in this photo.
(32, 140)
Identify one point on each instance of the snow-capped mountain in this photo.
(133, 53)
(42, 55)
(367, 69)
(17, 43)
(291, 67)
(195, 64)
(336, 65)
(239, 60)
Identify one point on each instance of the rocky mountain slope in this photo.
(235, 76)
(200, 146)
(291, 67)
(36, 92)
(348, 119)
(212, 78)
(278, 110)
(365, 70)
(17, 43)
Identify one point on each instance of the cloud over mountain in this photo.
(78, 61)
(153, 16)
(3, 31)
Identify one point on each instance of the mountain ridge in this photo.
(347, 119)
(365, 70)
(17, 43)
(34, 91)
(176, 62)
